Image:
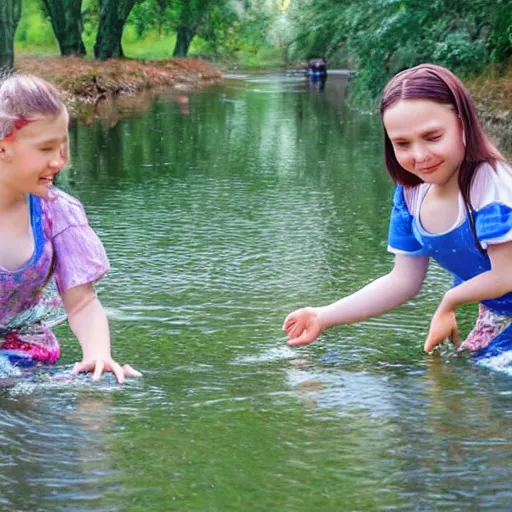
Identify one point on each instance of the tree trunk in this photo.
(184, 37)
(66, 18)
(10, 12)
(113, 16)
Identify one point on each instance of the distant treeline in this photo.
(382, 37)
(376, 37)
(224, 26)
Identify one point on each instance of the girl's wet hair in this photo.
(23, 97)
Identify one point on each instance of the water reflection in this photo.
(54, 443)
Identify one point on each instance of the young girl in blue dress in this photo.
(49, 255)
(452, 203)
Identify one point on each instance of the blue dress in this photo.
(456, 250)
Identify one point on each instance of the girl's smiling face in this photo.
(427, 139)
(35, 154)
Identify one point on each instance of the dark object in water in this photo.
(317, 69)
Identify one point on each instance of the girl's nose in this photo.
(58, 161)
(421, 154)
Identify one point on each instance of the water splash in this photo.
(7, 369)
(268, 356)
(501, 363)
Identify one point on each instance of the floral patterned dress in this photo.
(67, 254)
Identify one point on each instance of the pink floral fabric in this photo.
(67, 253)
(79, 254)
(41, 346)
(488, 326)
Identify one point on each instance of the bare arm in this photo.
(487, 285)
(382, 295)
(89, 323)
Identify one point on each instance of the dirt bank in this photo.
(85, 82)
(493, 96)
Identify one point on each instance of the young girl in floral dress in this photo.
(50, 257)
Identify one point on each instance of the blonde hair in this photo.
(23, 97)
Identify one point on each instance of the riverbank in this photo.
(85, 82)
(493, 95)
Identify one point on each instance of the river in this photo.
(221, 213)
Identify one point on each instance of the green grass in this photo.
(260, 59)
(152, 46)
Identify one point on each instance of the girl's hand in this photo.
(302, 326)
(98, 366)
(443, 326)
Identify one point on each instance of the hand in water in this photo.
(99, 366)
(443, 326)
(302, 327)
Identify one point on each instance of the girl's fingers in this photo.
(74, 371)
(455, 337)
(303, 339)
(131, 372)
(80, 367)
(296, 331)
(99, 367)
(98, 370)
(288, 322)
(428, 346)
(118, 372)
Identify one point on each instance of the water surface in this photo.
(262, 196)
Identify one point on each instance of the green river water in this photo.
(219, 219)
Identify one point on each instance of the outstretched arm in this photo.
(487, 285)
(382, 295)
(89, 323)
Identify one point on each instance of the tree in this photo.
(209, 19)
(190, 15)
(10, 13)
(66, 19)
(188, 20)
(382, 37)
(113, 16)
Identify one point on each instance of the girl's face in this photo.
(34, 155)
(427, 138)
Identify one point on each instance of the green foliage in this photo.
(262, 58)
(225, 30)
(153, 15)
(152, 45)
(90, 20)
(35, 30)
(381, 37)
(378, 37)
(457, 51)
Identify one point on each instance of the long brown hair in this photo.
(435, 83)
